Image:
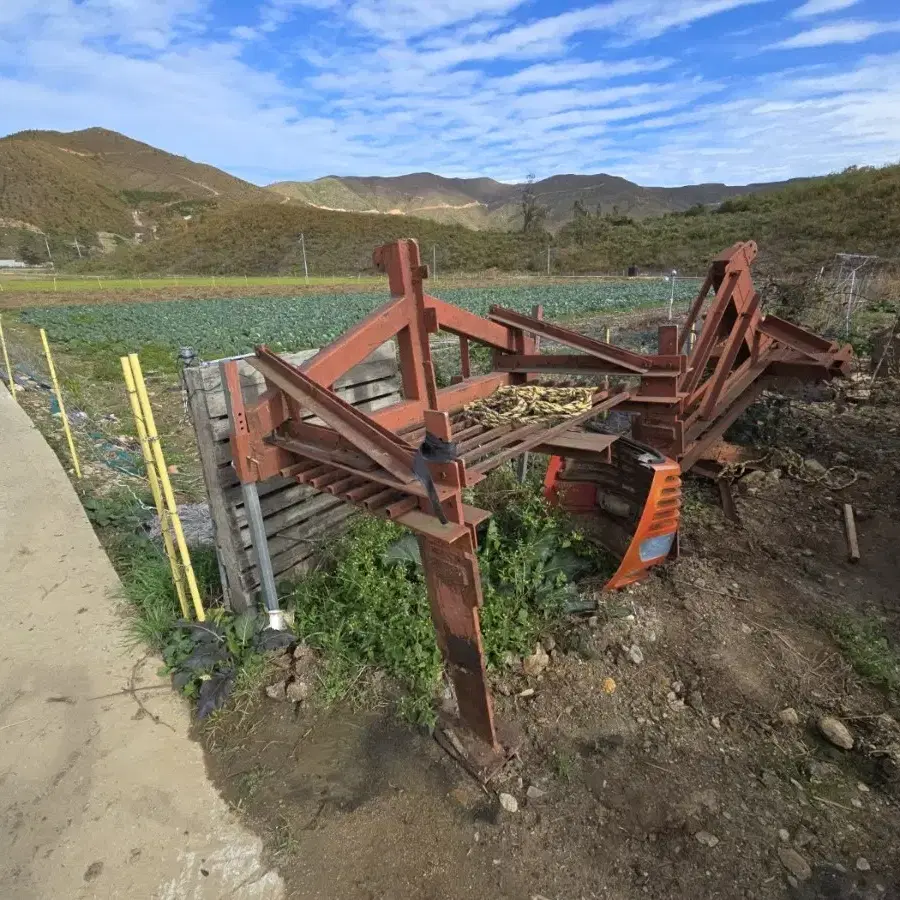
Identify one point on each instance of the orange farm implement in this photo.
(409, 462)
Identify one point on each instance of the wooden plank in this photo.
(296, 517)
(222, 427)
(302, 547)
(290, 515)
(377, 371)
(317, 526)
(212, 379)
(850, 530)
(220, 509)
(367, 397)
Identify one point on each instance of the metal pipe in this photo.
(258, 536)
(261, 552)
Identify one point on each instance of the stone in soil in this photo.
(298, 691)
(836, 732)
(794, 863)
(707, 839)
(509, 803)
(863, 864)
(635, 654)
(277, 691)
(534, 792)
(788, 716)
(535, 664)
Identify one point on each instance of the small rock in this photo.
(814, 467)
(528, 692)
(863, 864)
(794, 863)
(535, 664)
(678, 687)
(549, 643)
(835, 731)
(277, 691)
(788, 716)
(509, 803)
(754, 478)
(746, 629)
(862, 788)
(784, 835)
(695, 701)
(707, 839)
(635, 654)
(856, 802)
(298, 691)
(608, 685)
(716, 722)
(534, 792)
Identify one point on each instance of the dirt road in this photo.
(97, 799)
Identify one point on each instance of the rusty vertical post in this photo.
(454, 594)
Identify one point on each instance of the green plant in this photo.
(868, 649)
(368, 609)
(204, 658)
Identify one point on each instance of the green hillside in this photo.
(798, 228)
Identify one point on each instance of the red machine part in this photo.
(301, 429)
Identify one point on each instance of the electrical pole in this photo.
(434, 260)
(672, 295)
(548, 260)
(47, 245)
(305, 268)
(78, 248)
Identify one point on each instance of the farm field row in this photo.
(231, 326)
(50, 284)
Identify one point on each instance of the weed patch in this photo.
(868, 650)
(367, 609)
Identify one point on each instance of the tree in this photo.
(30, 255)
(533, 214)
(581, 224)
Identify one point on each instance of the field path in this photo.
(97, 799)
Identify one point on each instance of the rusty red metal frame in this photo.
(682, 403)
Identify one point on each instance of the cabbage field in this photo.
(228, 327)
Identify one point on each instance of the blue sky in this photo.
(661, 92)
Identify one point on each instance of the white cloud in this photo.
(820, 7)
(845, 32)
(304, 89)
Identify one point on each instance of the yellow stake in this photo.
(59, 400)
(9, 372)
(162, 472)
(177, 574)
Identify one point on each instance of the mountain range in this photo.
(102, 187)
(484, 203)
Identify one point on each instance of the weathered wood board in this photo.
(297, 518)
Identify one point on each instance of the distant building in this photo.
(12, 264)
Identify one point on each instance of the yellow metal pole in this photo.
(9, 372)
(62, 408)
(177, 574)
(162, 472)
